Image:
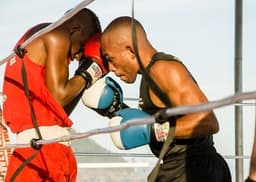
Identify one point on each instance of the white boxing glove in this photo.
(105, 97)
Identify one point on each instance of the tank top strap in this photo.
(163, 56)
(30, 32)
(160, 56)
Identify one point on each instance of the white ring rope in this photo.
(147, 120)
(212, 105)
(50, 27)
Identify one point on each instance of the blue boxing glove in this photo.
(105, 97)
(136, 135)
(133, 136)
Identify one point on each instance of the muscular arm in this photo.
(252, 172)
(63, 89)
(183, 91)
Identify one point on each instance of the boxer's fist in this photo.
(136, 135)
(133, 136)
(89, 70)
(92, 50)
(91, 66)
(105, 97)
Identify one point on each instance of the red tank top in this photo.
(16, 109)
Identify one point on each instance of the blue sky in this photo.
(199, 32)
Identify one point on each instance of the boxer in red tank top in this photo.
(53, 95)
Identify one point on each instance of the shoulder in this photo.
(57, 45)
(167, 68)
(169, 74)
(57, 38)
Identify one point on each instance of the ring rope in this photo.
(146, 120)
(234, 99)
(50, 27)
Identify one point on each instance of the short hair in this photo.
(86, 13)
(97, 27)
(124, 21)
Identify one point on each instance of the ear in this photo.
(75, 28)
(130, 51)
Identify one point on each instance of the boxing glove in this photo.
(92, 50)
(133, 136)
(91, 66)
(136, 135)
(89, 70)
(105, 97)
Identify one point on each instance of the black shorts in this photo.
(197, 168)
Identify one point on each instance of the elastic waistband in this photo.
(47, 132)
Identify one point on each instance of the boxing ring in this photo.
(235, 100)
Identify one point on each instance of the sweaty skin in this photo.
(172, 77)
(252, 171)
(56, 47)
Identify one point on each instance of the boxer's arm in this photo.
(182, 90)
(252, 169)
(63, 89)
(93, 54)
(70, 107)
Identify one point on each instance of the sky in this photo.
(199, 32)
